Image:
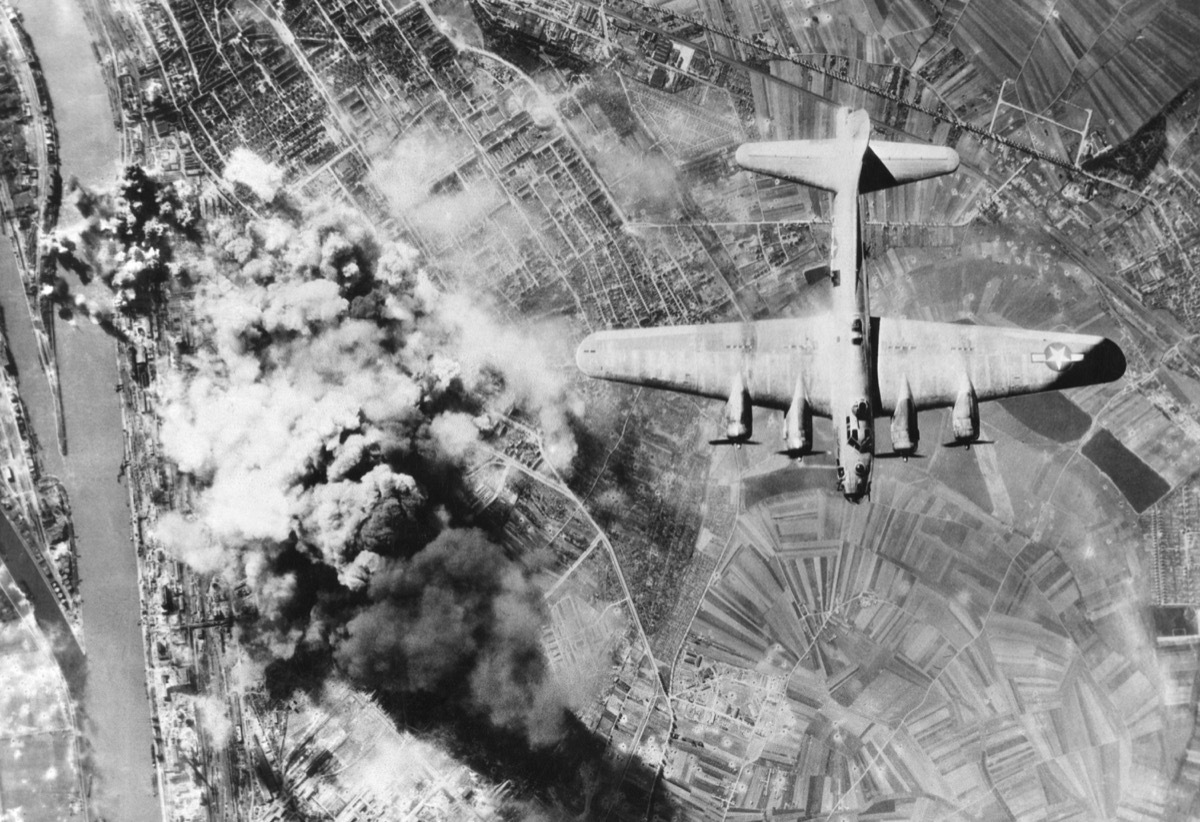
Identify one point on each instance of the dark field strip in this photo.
(1136, 480)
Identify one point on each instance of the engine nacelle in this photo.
(797, 425)
(739, 413)
(905, 433)
(965, 419)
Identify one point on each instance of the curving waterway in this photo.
(117, 713)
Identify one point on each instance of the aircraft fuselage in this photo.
(850, 376)
(824, 364)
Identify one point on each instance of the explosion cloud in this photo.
(245, 167)
(458, 615)
(125, 240)
(324, 420)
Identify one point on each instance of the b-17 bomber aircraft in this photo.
(844, 363)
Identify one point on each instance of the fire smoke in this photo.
(324, 419)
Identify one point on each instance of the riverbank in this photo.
(24, 229)
(30, 193)
(56, 606)
(118, 721)
(43, 672)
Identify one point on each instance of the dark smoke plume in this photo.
(458, 615)
(327, 421)
(324, 418)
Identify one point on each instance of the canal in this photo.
(115, 707)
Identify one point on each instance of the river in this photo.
(117, 713)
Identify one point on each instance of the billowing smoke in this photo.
(245, 167)
(458, 615)
(126, 241)
(326, 420)
(643, 183)
(530, 379)
(421, 180)
(422, 177)
(214, 719)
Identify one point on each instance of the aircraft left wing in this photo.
(770, 355)
(937, 358)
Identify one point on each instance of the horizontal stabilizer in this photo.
(894, 164)
(817, 163)
(840, 162)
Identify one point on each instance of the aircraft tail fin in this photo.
(849, 160)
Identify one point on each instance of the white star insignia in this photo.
(1057, 357)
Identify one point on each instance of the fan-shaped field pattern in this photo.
(909, 647)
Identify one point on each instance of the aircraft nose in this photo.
(850, 487)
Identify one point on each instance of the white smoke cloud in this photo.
(414, 178)
(333, 376)
(189, 541)
(520, 354)
(637, 179)
(337, 510)
(245, 674)
(396, 764)
(213, 715)
(421, 179)
(260, 176)
(324, 418)
(357, 574)
(455, 433)
(417, 161)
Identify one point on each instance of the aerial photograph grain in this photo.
(599, 411)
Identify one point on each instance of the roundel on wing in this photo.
(1059, 357)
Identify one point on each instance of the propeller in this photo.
(799, 456)
(895, 455)
(734, 443)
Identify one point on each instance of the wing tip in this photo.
(744, 156)
(1103, 363)
(1108, 360)
(585, 355)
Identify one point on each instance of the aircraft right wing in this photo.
(703, 360)
(999, 362)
